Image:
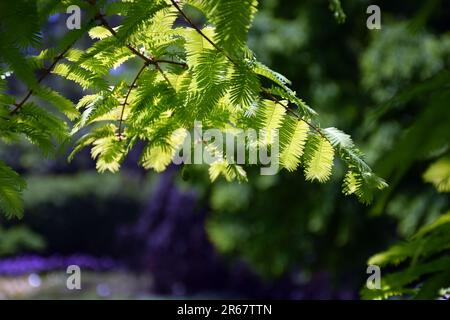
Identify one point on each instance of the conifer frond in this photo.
(232, 19)
(338, 139)
(195, 44)
(137, 14)
(318, 157)
(362, 184)
(107, 150)
(40, 127)
(96, 107)
(293, 136)
(11, 187)
(99, 32)
(63, 104)
(270, 117)
(423, 258)
(190, 73)
(230, 172)
(439, 174)
(359, 180)
(89, 138)
(302, 108)
(268, 73)
(245, 87)
(158, 157)
(12, 56)
(211, 70)
(85, 78)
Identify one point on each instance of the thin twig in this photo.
(133, 84)
(47, 71)
(288, 109)
(163, 74)
(182, 64)
(192, 24)
(148, 60)
(197, 29)
(271, 96)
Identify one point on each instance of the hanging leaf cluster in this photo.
(186, 73)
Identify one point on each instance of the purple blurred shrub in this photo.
(171, 243)
(38, 264)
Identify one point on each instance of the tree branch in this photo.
(163, 74)
(270, 95)
(47, 71)
(192, 24)
(148, 60)
(296, 115)
(127, 96)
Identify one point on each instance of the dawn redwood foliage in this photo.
(423, 264)
(186, 73)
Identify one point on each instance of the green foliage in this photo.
(380, 102)
(423, 262)
(293, 137)
(412, 79)
(439, 174)
(16, 34)
(18, 238)
(319, 156)
(359, 180)
(188, 74)
(336, 7)
(232, 19)
(41, 189)
(11, 187)
(398, 56)
(137, 15)
(405, 68)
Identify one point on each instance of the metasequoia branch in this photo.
(47, 71)
(268, 93)
(199, 31)
(148, 60)
(294, 114)
(125, 102)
